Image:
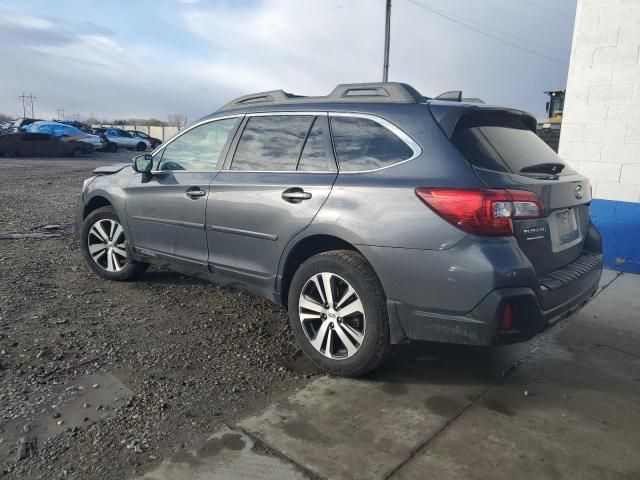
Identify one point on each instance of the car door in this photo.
(166, 209)
(112, 136)
(127, 139)
(278, 173)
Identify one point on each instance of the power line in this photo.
(486, 34)
(502, 32)
(544, 7)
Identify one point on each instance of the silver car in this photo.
(124, 139)
(375, 215)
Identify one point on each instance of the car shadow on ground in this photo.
(441, 363)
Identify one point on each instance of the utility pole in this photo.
(387, 38)
(60, 110)
(24, 109)
(31, 98)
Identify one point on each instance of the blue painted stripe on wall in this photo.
(619, 224)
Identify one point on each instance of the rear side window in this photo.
(502, 142)
(364, 144)
(271, 143)
(314, 155)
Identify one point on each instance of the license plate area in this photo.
(565, 229)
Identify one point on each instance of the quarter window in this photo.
(271, 143)
(199, 148)
(314, 155)
(364, 144)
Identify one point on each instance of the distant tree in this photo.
(5, 118)
(93, 121)
(176, 120)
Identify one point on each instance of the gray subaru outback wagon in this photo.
(374, 215)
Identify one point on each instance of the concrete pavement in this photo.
(564, 405)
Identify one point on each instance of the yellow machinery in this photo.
(549, 128)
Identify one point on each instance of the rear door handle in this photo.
(195, 192)
(295, 195)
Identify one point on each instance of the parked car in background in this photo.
(108, 146)
(5, 127)
(154, 141)
(29, 144)
(60, 130)
(83, 127)
(23, 124)
(374, 215)
(124, 139)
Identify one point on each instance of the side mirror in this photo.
(143, 163)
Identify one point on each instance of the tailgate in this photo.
(505, 152)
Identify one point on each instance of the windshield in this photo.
(502, 142)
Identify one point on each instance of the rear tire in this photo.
(105, 247)
(350, 345)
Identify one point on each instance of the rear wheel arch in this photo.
(302, 251)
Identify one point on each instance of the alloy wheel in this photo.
(332, 316)
(107, 245)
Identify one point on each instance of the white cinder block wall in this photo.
(600, 134)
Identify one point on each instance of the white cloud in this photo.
(302, 46)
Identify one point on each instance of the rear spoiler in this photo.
(448, 115)
(456, 96)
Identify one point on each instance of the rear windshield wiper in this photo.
(552, 168)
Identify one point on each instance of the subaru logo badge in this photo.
(579, 192)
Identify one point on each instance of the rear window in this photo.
(502, 142)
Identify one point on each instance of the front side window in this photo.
(271, 143)
(364, 144)
(200, 148)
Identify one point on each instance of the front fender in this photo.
(109, 188)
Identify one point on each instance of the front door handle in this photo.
(295, 195)
(195, 192)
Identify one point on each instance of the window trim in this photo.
(160, 149)
(410, 142)
(226, 158)
(332, 163)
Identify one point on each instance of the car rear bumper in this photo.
(557, 295)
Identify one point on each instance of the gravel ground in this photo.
(102, 379)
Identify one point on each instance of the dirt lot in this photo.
(103, 380)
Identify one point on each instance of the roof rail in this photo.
(383, 92)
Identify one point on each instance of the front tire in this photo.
(105, 247)
(338, 313)
(141, 147)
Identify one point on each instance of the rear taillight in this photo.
(506, 322)
(482, 211)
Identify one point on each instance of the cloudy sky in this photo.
(150, 58)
